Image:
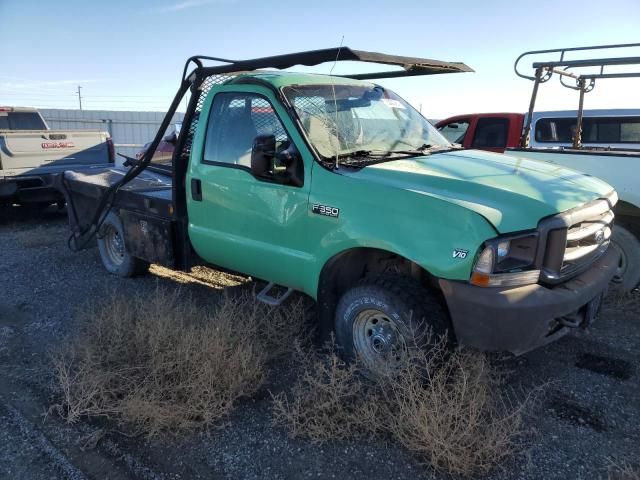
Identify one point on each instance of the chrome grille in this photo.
(586, 241)
(576, 238)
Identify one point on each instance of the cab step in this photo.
(265, 295)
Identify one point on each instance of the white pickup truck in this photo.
(30, 154)
(616, 159)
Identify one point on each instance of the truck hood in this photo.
(511, 193)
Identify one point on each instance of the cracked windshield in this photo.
(350, 120)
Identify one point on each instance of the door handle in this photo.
(196, 189)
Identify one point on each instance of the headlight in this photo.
(507, 262)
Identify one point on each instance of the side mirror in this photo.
(171, 138)
(262, 152)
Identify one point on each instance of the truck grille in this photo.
(575, 239)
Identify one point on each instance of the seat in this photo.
(236, 139)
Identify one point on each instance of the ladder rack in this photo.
(584, 80)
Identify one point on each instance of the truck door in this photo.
(251, 225)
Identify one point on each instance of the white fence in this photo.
(129, 130)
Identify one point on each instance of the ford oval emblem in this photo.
(599, 236)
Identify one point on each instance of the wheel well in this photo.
(628, 216)
(346, 268)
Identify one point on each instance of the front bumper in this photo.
(519, 319)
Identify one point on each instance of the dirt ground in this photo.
(587, 419)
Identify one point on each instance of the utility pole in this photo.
(79, 97)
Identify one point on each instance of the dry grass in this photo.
(445, 407)
(448, 409)
(160, 363)
(623, 471)
(329, 400)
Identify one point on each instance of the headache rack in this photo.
(198, 79)
(202, 78)
(583, 71)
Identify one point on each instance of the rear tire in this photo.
(628, 275)
(381, 316)
(113, 251)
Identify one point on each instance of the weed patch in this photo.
(445, 407)
(449, 410)
(623, 471)
(329, 400)
(161, 363)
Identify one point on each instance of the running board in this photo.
(264, 296)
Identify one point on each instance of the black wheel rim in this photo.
(114, 245)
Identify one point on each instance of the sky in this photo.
(129, 55)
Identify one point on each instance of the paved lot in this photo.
(589, 416)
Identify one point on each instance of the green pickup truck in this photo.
(338, 188)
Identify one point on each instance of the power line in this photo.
(29, 92)
(23, 86)
(136, 96)
(90, 98)
(79, 97)
(85, 100)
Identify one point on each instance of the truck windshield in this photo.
(357, 120)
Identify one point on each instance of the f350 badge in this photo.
(460, 253)
(325, 210)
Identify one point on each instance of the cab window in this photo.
(455, 131)
(491, 133)
(604, 130)
(235, 120)
(21, 121)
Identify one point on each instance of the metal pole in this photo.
(524, 140)
(79, 97)
(577, 137)
(109, 123)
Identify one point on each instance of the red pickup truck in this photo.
(607, 128)
(484, 131)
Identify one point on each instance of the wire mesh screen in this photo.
(332, 126)
(265, 119)
(201, 93)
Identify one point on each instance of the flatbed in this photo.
(145, 205)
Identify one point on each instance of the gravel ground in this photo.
(588, 418)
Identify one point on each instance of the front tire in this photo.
(628, 274)
(113, 251)
(382, 316)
